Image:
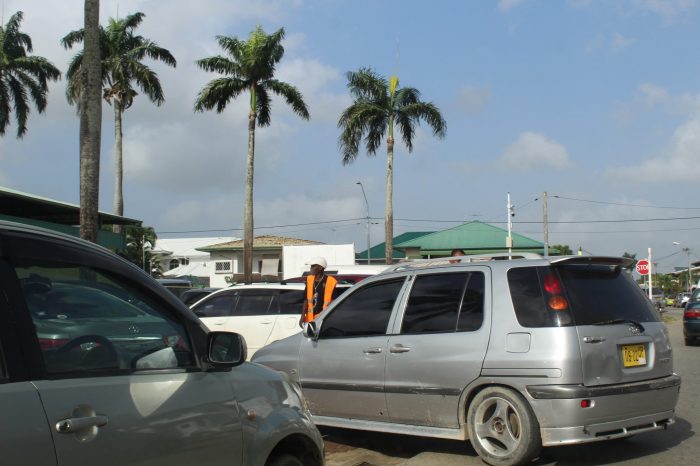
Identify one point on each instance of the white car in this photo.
(261, 312)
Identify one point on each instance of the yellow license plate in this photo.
(634, 355)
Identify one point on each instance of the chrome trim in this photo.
(399, 389)
(391, 427)
(564, 392)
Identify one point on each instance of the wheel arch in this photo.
(300, 446)
(472, 390)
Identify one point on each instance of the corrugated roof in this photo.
(469, 236)
(379, 251)
(259, 242)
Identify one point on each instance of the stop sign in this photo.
(643, 267)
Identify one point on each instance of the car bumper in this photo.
(616, 410)
(691, 328)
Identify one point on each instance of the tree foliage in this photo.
(23, 78)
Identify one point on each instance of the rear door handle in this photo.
(400, 349)
(372, 350)
(76, 424)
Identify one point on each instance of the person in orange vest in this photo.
(319, 290)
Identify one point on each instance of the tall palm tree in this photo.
(379, 105)
(90, 124)
(21, 76)
(249, 66)
(122, 54)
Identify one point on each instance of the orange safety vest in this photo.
(327, 295)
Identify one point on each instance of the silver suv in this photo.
(511, 354)
(99, 364)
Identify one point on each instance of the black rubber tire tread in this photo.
(284, 460)
(529, 443)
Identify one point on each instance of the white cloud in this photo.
(618, 42)
(507, 5)
(473, 100)
(534, 151)
(680, 161)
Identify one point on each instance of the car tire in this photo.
(284, 460)
(502, 427)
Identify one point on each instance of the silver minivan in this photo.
(512, 354)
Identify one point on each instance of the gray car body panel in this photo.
(429, 391)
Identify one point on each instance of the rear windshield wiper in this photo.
(621, 321)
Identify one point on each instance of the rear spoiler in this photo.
(603, 260)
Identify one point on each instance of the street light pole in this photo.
(687, 251)
(368, 219)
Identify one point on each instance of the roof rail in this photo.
(421, 263)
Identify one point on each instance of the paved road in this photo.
(676, 446)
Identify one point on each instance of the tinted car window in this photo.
(576, 295)
(445, 303)
(216, 306)
(291, 301)
(80, 327)
(253, 304)
(364, 312)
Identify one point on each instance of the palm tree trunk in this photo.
(389, 211)
(90, 124)
(118, 165)
(248, 207)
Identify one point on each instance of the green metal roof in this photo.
(379, 251)
(473, 237)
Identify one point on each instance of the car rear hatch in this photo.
(621, 336)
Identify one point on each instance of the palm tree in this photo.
(90, 123)
(122, 55)
(21, 76)
(250, 66)
(379, 105)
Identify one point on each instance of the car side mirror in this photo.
(226, 349)
(311, 330)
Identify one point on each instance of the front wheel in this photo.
(503, 428)
(284, 460)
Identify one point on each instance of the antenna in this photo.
(397, 62)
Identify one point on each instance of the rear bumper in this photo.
(691, 328)
(615, 410)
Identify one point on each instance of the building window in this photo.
(174, 263)
(222, 267)
(184, 261)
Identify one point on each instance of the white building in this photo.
(179, 257)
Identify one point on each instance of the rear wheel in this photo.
(503, 428)
(284, 460)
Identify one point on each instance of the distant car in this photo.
(261, 312)
(691, 322)
(176, 286)
(681, 299)
(101, 366)
(346, 278)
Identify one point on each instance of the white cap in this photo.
(318, 260)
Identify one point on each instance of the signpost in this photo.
(643, 267)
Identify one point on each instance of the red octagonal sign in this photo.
(643, 267)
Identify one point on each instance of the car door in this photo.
(25, 435)
(119, 380)
(251, 317)
(437, 347)
(342, 373)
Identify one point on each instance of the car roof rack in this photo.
(450, 260)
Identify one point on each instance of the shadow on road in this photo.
(399, 446)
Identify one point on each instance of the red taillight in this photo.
(586, 403)
(51, 343)
(552, 285)
(692, 313)
(558, 303)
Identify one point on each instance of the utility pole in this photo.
(368, 219)
(509, 240)
(687, 251)
(544, 221)
(651, 272)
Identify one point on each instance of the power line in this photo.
(624, 204)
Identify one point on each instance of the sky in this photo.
(595, 102)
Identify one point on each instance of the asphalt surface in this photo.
(679, 445)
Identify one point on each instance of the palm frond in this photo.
(428, 112)
(217, 94)
(219, 64)
(72, 38)
(365, 84)
(262, 106)
(21, 107)
(291, 94)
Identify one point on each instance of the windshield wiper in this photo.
(622, 321)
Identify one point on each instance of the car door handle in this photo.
(76, 424)
(372, 350)
(400, 349)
